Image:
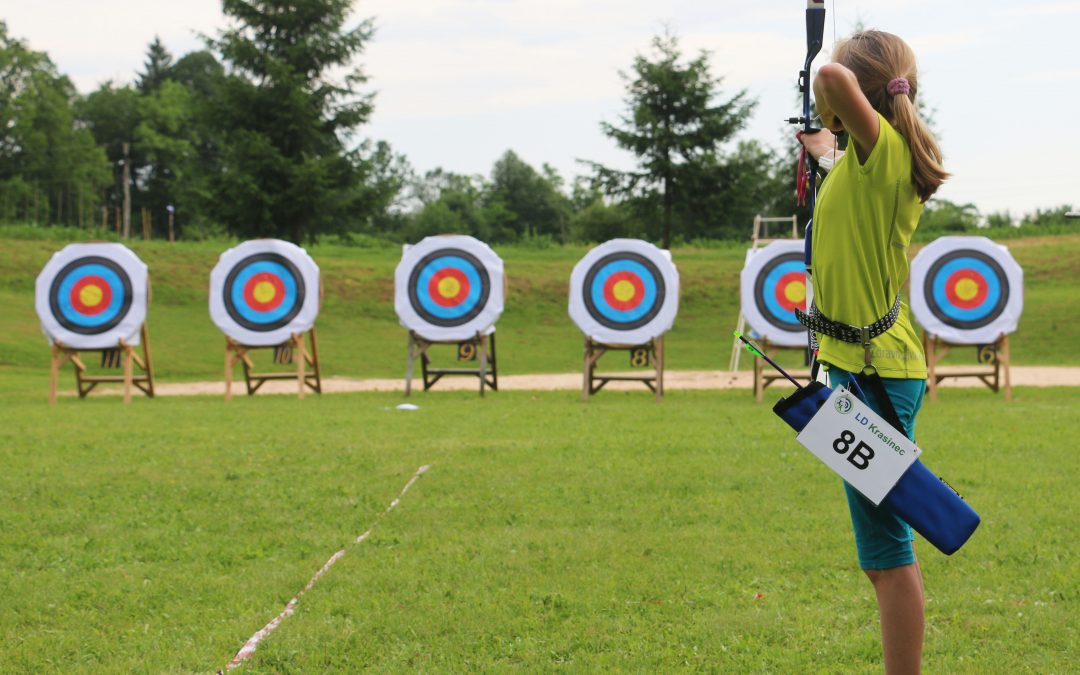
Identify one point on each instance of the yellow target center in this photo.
(623, 290)
(91, 295)
(264, 292)
(449, 287)
(795, 293)
(966, 289)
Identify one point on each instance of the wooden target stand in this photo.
(763, 376)
(641, 356)
(994, 374)
(293, 351)
(122, 356)
(480, 349)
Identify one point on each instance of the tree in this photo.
(529, 202)
(158, 67)
(50, 169)
(675, 124)
(285, 113)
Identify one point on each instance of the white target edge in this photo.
(1005, 323)
(663, 320)
(129, 327)
(756, 260)
(304, 319)
(484, 322)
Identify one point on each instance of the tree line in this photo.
(255, 136)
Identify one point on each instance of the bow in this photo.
(806, 177)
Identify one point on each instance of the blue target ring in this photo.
(449, 287)
(623, 291)
(966, 289)
(263, 292)
(90, 295)
(780, 286)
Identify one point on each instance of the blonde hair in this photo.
(876, 58)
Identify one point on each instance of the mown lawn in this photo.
(622, 534)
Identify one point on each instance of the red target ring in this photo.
(791, 291)
(966, 288)
(448, 287)
(90, 295)
(264, 291)
(624, 291)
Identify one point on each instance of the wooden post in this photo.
(172, 233)
(409, 364)
(228, 368)
(298, 340)
(54, 370)
(658, 356)
(127, 190)
(1003, 360)
(481, 344)
(127, 371)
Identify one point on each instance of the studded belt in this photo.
(819, 323)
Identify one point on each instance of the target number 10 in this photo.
(856, 443)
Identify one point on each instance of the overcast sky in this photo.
(459, 82)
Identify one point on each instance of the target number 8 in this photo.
(639, 357)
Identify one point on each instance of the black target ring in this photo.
(765, 290)
(428, 266)
(119, 315)
(598, 314)
(999, 282)
(239, 268)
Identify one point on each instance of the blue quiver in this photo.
(924, 501)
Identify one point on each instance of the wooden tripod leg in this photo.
(1006, 363)
(228, 369)
(658, 355)
(481, 343)
(301, 362)
(146, 359)
(409, 364)
(57, 360)
(127, 371)
(586, 383)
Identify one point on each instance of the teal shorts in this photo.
(882, 539)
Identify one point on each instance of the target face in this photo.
(449, 288)
(966, 289)
(91, 296)
(773, 284)
(624, 292)
(264, 291)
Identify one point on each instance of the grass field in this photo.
(619, 535)
(622, 534)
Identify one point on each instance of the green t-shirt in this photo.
(863, 223)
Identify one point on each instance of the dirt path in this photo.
(673, 379)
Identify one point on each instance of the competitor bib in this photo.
(860, 446)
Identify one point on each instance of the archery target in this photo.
(624, 291)
(966, 290)
(264, 291)
(449, 288)
(91, 296)
(772, 285)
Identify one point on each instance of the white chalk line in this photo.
(253, 642)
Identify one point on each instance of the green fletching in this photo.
(749, 345)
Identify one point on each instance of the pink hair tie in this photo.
(898, 85)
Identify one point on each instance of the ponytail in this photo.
(884, 65)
